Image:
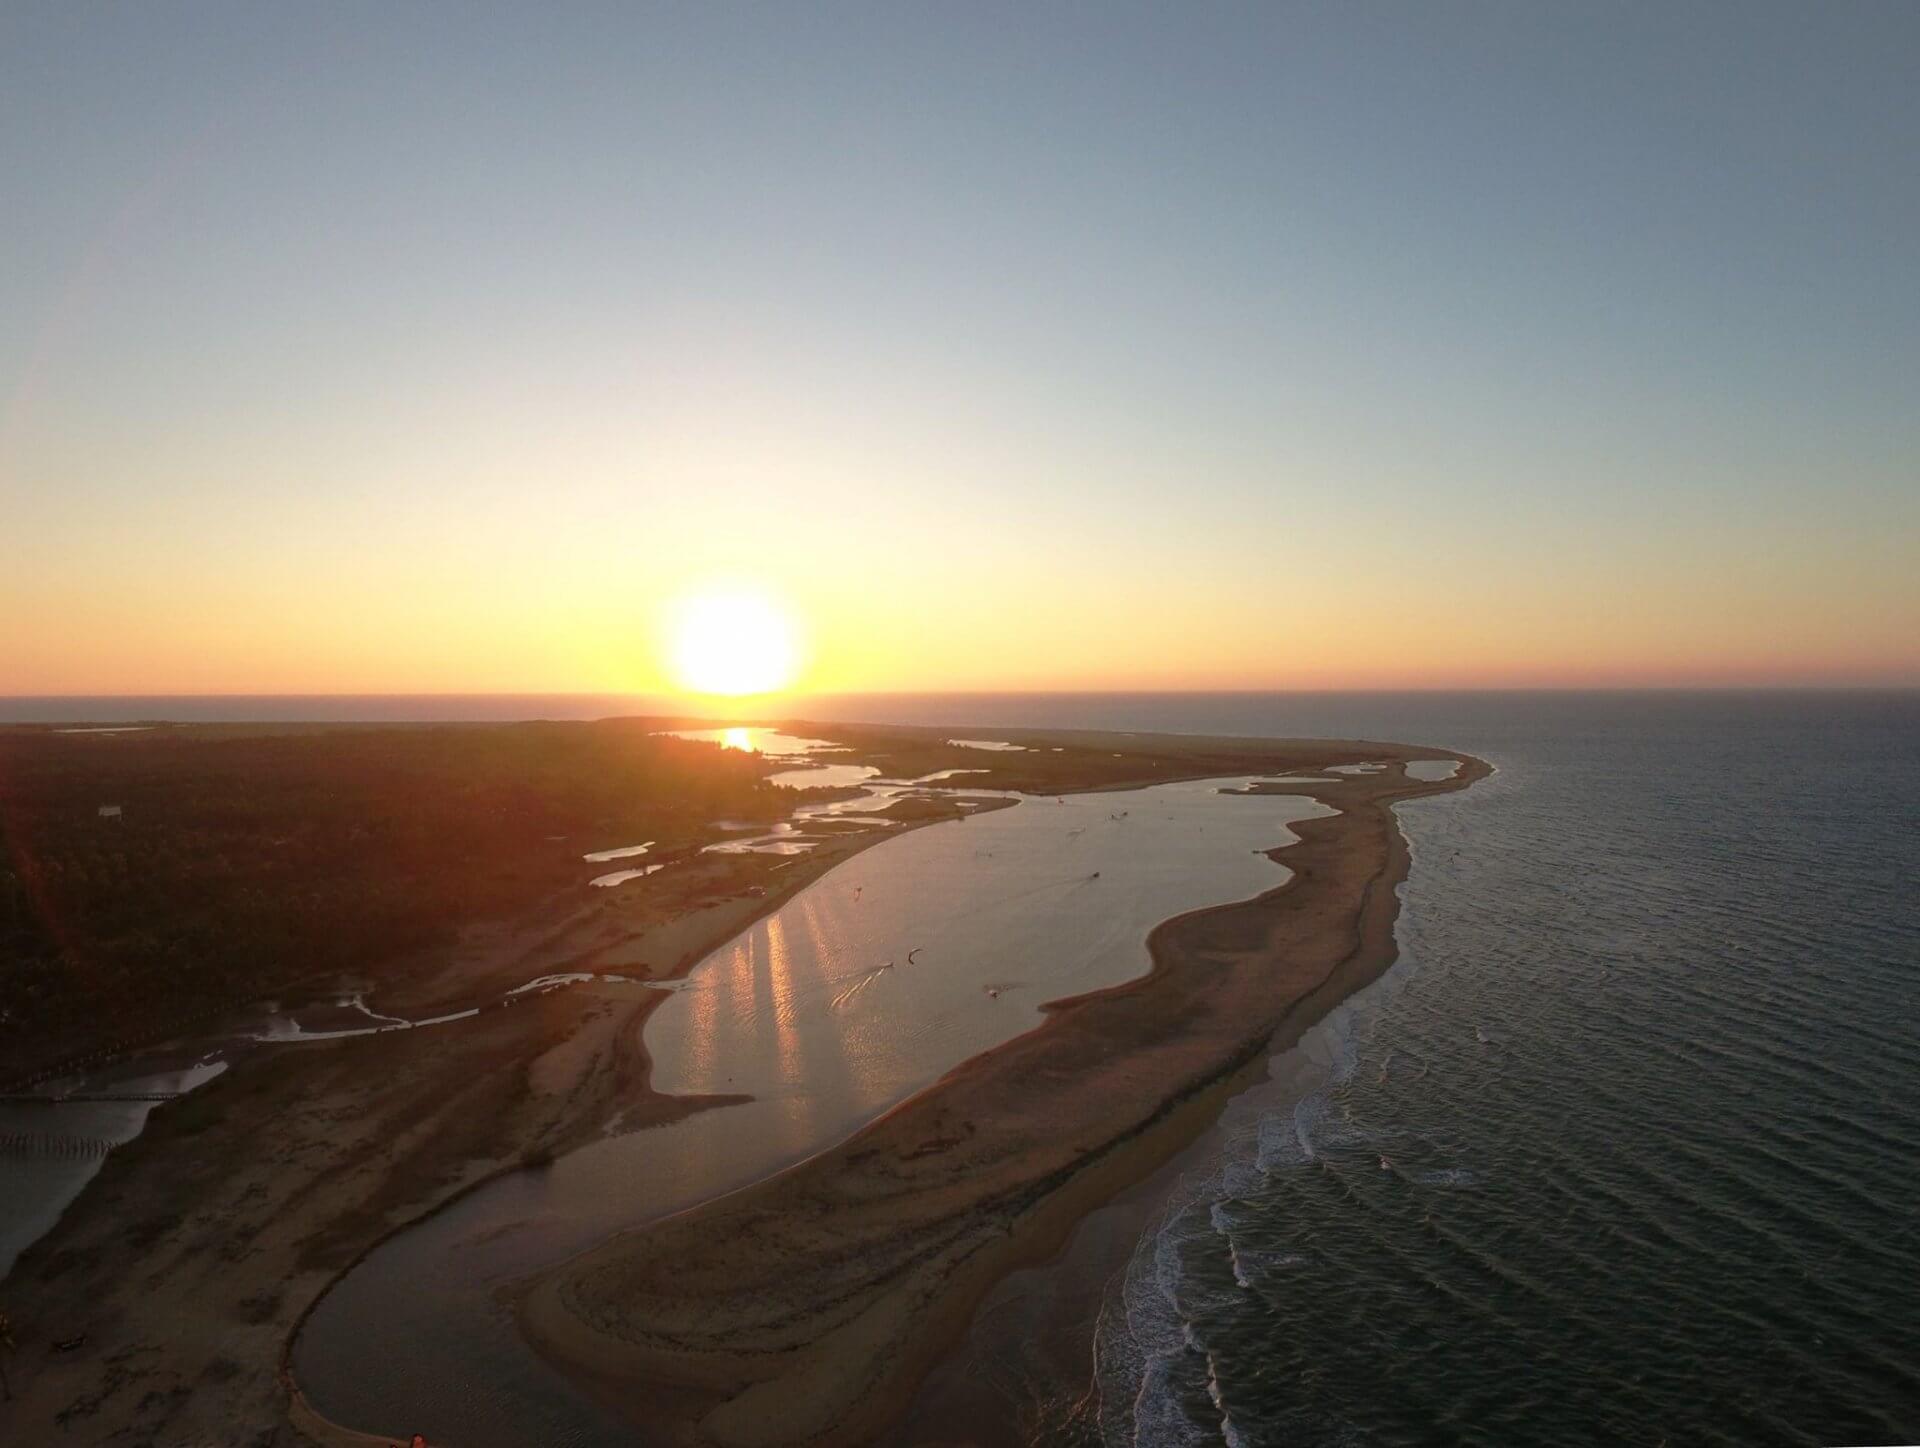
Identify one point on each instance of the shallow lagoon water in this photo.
(624, 852)
(865, 987)
(823, 776)
(757, 740)
(48, 1153)
(620, 877)
(769, 846)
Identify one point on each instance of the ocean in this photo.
(1626, 1147)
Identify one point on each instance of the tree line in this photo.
(239, 865)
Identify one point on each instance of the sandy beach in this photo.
(806, 1309)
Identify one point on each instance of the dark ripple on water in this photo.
(1625, 1150)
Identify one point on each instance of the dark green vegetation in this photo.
(244, 862)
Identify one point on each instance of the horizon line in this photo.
(1837, 688)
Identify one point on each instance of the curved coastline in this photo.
(806, 1308)
(658, 1108)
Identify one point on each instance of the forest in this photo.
(241, 863)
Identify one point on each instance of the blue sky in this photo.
(1485, 342)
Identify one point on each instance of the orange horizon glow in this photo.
(1308, 674)
(899, 613)
(1026, 640)
(519, 603)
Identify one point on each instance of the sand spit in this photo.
(163, 1305)
(804, 1310)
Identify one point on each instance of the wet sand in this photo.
(806, 1310)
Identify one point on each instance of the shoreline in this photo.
(1048, 1397)
(187, 1266)
(810, 1307)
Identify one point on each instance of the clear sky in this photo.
(412, 347)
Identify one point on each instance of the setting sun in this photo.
(734, 642)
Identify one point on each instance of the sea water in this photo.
(1626, 1148)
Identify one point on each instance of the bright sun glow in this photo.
(733, 641)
